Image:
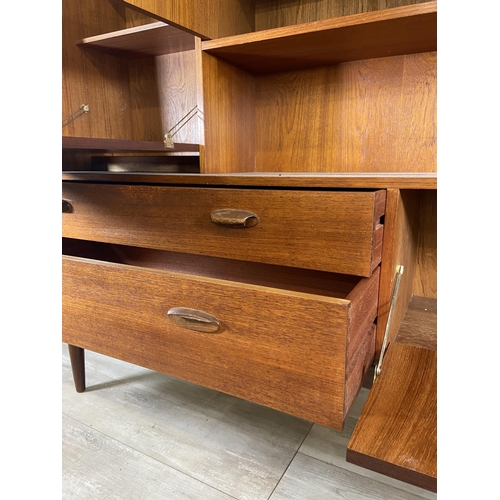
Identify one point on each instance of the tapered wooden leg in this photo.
(77, 356)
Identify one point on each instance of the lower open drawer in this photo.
(297, 341)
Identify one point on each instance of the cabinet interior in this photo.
(359, 115)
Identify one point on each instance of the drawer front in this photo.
(286, 350)
(329, 231)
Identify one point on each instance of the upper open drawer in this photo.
(335, 231)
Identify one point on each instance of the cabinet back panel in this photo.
(375, 115)
(94, 79)
(277, 13)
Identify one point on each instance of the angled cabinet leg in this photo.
(77, 356)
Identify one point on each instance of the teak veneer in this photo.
(396, 433)
(402, 30)
(153, 39)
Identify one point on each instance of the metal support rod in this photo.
(378, 368)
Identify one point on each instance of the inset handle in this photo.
(234, 218)
(66, 206)
(192, 319)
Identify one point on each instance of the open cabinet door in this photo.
(396, 434)
(212, 19)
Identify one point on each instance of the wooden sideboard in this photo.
(239, 193)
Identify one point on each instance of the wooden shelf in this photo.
(396, 434)
(260, 179)
(401, 30)
(153, 39)
(118, 145)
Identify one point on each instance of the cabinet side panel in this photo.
(179, 97)
(229, 105)
(399, 248)
(425, 279)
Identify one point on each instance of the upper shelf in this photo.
(153, 39)
(401, 30)
(118, 145)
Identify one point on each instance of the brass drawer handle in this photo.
(193, 319)
(234, 218)
(66, 206)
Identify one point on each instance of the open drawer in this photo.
(334, 231)
(295, 340)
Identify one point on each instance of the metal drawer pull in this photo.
(234, 218)
(66, 206)
(193, 319)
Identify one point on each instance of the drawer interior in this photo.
(326, 284)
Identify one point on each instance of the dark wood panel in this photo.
(117, 145)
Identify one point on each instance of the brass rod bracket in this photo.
(378, 367)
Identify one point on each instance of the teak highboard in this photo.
(249, 203)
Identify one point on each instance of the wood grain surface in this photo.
(282, 349)
(388, 32)
(396, 434)
(229, 106)
(152, 39)
(400, 248)
(377, 115)
(218, 18)
(275, 14)
(328, 231)
(425, 279)
(419, 325)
